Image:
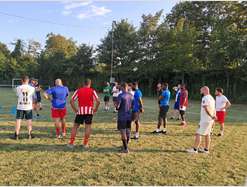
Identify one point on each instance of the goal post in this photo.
(15, 82)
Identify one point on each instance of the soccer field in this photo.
(153, 160)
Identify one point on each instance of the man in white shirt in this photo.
(115, 93)
(206, 121)
(24, 94)
(222, 103)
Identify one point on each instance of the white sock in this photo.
(157, 130)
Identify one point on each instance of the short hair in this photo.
(87, 82)
(135, 83)
(124, 85)
(220, 90)
(165, 85)
(25, 78)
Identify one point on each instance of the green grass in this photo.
(153, 160)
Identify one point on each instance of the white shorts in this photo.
(183, 108)
(205, 128)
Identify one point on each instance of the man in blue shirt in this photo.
(137, 108)
(124, 107)
(164, 99)
(58, 96)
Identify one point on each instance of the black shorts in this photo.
(123, 124)
(81, 119)
(135, 116)
(106, 98)
(114, 99)
(24, 114)
(163, 111)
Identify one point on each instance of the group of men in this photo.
(128, 104)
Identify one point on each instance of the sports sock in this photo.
(64, 129)
(85, 141)
(72, 138)
(57, 131)
(128, 132)
(125, 145)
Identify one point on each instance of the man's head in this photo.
(124, 87)
(204, 90)
(58, 82)
(183, 86)
(116, 84)
(159, 86)
(219, 91)
(87, 82)
(130, 85)
(135, 85)
(179, 86)
(165, 86)
(25, 80)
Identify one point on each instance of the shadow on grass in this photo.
(63, 148)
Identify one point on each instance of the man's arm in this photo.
(228, 104)
(72, 104)
(208, 112)
(97, 105)
(46, 96)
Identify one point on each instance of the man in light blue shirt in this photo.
(164, 101)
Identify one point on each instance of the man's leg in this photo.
(29, 126)
(87, 134)
(73, 133)
(57, 126)
(124, 139)
(63, 126)
(197, 141)
(207, 142)
(17, 127)
(137, 123)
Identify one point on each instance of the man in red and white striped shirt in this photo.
(86, 96)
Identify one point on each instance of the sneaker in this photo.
(156, 131)
(172, 117)
(220, 134)
(202, 150)
(183, 124)
(126, 151)
(86, 146)
(71, 146)
(192, 151)
(59, 137)
(15, 137)
(164, 132)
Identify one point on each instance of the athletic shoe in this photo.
(71, 146)
(202, 150)
(220, 134)
(30, 136)
(172, 117)
(126, 151)
(59, 137)
(156, 131)
(192, 151)
(15, 137)
(86, 146)
(183, 124)
(164, 132)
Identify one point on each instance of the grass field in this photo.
(153, 160)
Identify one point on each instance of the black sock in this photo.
(195, 149)
(205, 149)
(125, 145)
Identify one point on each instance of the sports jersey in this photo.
(166, 98)
(137, 97)
(221, 102)
(86, 97)
(25, 97)
(115, 91)
(59, 96)
(177, 97)
(107, 91)
(125, 100)
(183, 98)
(208, 101)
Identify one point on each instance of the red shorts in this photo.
(221, 116)
(58, 113)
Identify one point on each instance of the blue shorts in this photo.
(176, 106)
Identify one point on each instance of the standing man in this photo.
(25, 94)
(183, 104)
(124, 106)
(58, 97)
(86, 97)
(222, 104)
(115, 93)
(164, 100)
(177, 102)
(137, 108)
(107, 95)
(206, 122)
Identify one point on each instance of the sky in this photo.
(86, 21)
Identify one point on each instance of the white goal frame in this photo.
(13, 85)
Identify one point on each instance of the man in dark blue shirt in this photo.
(137, 108)
(124, 107)
(164, 100)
